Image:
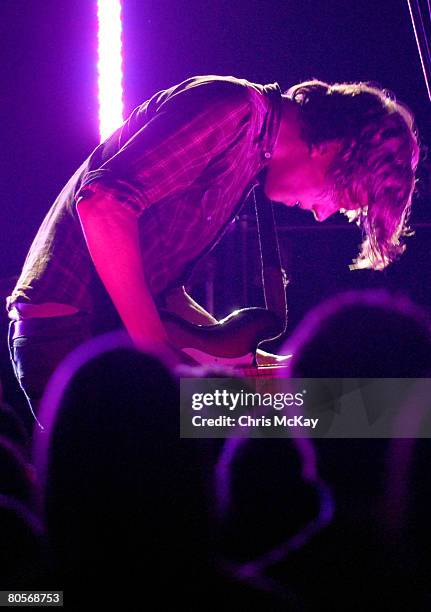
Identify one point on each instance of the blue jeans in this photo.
(38, 345)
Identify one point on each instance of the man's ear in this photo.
(326, 149)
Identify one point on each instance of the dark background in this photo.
(49, 115)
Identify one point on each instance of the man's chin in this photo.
(275, 194)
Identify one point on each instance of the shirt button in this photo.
(267, 154)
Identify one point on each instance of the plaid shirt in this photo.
(183, 163)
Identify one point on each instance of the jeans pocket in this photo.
(36, 358)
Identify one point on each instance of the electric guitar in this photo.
(231, 343)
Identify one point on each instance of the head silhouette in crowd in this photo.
(362, 334)
(123, 495)
(23, 560)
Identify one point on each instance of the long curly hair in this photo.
(374, 171)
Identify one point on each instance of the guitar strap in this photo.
(274, 278)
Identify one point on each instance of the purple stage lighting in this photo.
(110, 73)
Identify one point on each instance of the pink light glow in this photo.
(110, 72)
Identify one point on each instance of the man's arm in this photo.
(111, 233)
(181, 303)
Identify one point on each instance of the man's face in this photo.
(302, 180)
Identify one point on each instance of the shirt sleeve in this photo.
(188, 132)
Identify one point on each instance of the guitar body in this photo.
(233, 341)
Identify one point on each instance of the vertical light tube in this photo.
(110, 69)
